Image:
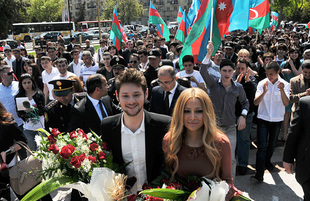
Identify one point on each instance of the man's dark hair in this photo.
(306, 64)
(93, 82)
(243, 61)
(268, 55)
(187, 58)
(51, 48)
(133, 76)
(227, 62)
(107, 54)
(61, 60)
(16, 50)
(46, 58)
(143, 51)
(273, 65)
(72, 39)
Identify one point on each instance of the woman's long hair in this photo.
(22, 92)
(296, 61)
(5, 116)
(177, 131)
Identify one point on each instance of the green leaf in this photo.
(166, 193)
(240, 198)
(46, 187)
(42, 130)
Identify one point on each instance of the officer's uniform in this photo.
(57, 115)
(116, 62)
(151, 73)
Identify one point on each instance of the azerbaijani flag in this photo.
(275, 20)
(259, 15)
(116, 33)
(155, 18)
(183, 29)
(199, 35)
(180, 15)
(308, 25)
(232, 15)
(193, 10)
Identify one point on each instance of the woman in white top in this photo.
(33, 116)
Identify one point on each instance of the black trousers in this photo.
(306, 188)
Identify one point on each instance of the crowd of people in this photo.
(194, 119)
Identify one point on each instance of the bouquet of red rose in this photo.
(76, 158)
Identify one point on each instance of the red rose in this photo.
(81, 132)
(73, 135)
(150, 198)
(75, 161)
(66, 151)
(53, 148)
(92, 158)
(105, 146)
(55, 132)
(52, 139)
(101, 155)
(93, 146)
(82, 157)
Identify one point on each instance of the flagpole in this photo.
(148, 22)
(211, 29)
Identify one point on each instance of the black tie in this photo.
(101, 109)
(167, 102)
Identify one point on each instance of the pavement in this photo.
(278, 185)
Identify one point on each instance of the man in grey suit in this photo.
(298, 146)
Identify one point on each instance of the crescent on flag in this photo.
(253, 14)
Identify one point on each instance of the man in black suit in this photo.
(229, 51)
(298, 146)
(165, 96)
(89, 112)
(136, 135)
(18, 63)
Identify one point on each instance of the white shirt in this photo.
(96, 105)
(133, 149)
(5, 47)
(20, 47)
(214, 70)
(77, 68)
(86, 72)
(7, 95)
(48, 77)
(9, 61)
(196, 74)
(172, 92)
(59, 77)
(271, 108)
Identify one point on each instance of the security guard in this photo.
(57, 113)
(154, 56)
(118, 65)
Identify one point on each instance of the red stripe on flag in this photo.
(197, 43)
(154, 12)
(259, 11)
(223, 13)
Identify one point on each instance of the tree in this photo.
(12, 11)
(80, 16)
(45, 10)
(127, 10)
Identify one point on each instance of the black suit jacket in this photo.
(157, 103)
(156, 126)
(83, 114)
(298, 141)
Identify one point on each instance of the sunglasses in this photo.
(9, 73)
(133, 61)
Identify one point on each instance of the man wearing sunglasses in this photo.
(8, 90)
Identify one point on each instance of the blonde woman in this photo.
(194, 145)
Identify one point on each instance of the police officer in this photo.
(118, 65)
(150, 74)
(57, 113)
